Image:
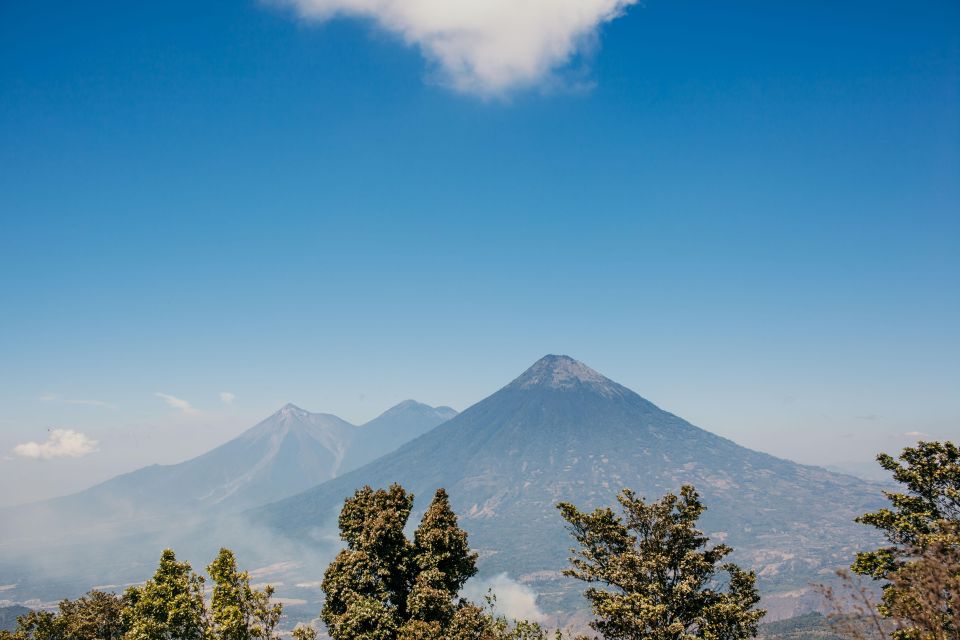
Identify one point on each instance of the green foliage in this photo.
(920, 522)
(304, 632)
(237, 611)
(169, 606)
(386, 587)
(95, 616)
(660, 579)
(383, 586)
(930, 472)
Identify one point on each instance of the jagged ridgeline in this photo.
(563, 432)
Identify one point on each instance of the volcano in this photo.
(563, 432)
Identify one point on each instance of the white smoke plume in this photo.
(483, 47)
(514, 600)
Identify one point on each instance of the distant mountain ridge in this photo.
(286, 453)
(562, 431)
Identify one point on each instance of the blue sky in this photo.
(745, 211)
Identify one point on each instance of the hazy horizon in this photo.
(220, 426)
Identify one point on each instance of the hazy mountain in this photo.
(392, 429)
(562, 431)
(9, 615)
(287, 452)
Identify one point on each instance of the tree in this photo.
(95, 616)
(919, 565)
(237, 611)
(442, 563)
(304, 632)
(169, 606)
(925, 594)
(366, 585)
(385, 587)
(660, 579)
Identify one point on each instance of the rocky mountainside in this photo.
(563, 432)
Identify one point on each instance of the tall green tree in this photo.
(366, 585)
(238, 611)
(169, 606)
(442, 562)
(659, 580)
(922, 529)
(386, 587)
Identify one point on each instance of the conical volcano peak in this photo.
(291, 410)
(563, 372)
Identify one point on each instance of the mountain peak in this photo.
(412, 407)
(563, 372)
(291, 410)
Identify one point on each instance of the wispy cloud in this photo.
(916, 434)
(316, 584)
(54, 398)
(484, 47)
(61, 443)
(177, 403)
(868, 416)
(227, 398)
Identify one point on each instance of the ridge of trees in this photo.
(169, 606)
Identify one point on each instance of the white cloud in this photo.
(916, 434)
(177, 403)
(515, 600)
(485, 47)
(62, 443)
(227, 398)
(56, 399)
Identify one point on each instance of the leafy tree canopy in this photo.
(922, 526)
(169, 606)
(386, 587)
(95, 616)
(237, 611)
(659, 581)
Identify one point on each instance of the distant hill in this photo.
(562, 431)
(284, 454)
(9, 615)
